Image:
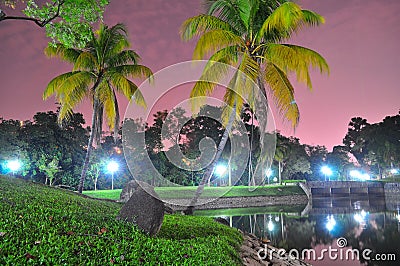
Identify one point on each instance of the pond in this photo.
(340, 231)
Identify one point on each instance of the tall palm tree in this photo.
(101, 70)
(250, 36)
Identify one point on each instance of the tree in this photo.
(66, 21)
(101, 70)
(50, 169)
(249, 36)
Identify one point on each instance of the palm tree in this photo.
(250, 36)
(101, 70)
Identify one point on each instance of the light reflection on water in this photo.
(364, 223)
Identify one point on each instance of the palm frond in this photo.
(232, 12)
(133, 71)
(287, 19)
(85, 61)
(127, 88)
(297, 59)
(213, 74)
(198, 25)
(282, 92)
(215, 40)
(66, 54)
(123, 58)
(228, 55)
(55, 83)
(108, 100)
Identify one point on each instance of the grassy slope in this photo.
(187, 192)
(42, 225)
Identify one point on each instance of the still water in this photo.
(341, 231)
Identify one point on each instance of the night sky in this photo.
(359, 41)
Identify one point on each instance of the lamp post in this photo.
(220, 171)
(327, 172)
(269, 173)
(112, 167)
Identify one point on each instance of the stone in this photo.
(144, 209)
(222, 221)
(128, 190)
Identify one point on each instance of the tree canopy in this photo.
(66, 21)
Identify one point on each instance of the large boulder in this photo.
(144, 209)
(128, 190)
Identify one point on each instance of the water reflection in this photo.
(362, 225)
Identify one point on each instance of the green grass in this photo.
(104, 194)
(209, 192)
(40, 225)
(250, 211)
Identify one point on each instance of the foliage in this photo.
(37, 143)
(250, 36)
(66, 21)
(375, 146)
(47, 226)
(100, 71)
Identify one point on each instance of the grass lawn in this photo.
(40, 225)
(250, 211)
(187, 192)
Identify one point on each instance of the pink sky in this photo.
(358, 40)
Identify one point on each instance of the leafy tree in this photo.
(375, 146)
(50, 169)
(11, 145)
(100, 71)
(296, 162)
(249, 36)
(354, 140)
(66, 21)
(317, 157)
(340, 161)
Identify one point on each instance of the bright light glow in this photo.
(220, 170)
(361, 217)
(112, 167)
(326, 170)
(330, 224)
(275, 179)
(270, 225)
(366, 177)
(394, 171)
(357, 174)
(14, 165)
(269, 172)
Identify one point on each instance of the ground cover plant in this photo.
(187, 192)
(40, 225)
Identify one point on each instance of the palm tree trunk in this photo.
(208, 173)
(90, 145)
(280, 172)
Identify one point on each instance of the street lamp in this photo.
(14, 165)
(327, 172)
(269, 173)
(394, 171)
(112, 167)
(220, 170)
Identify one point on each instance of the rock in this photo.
(144, 209)
(128, 190)
(222, 221)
